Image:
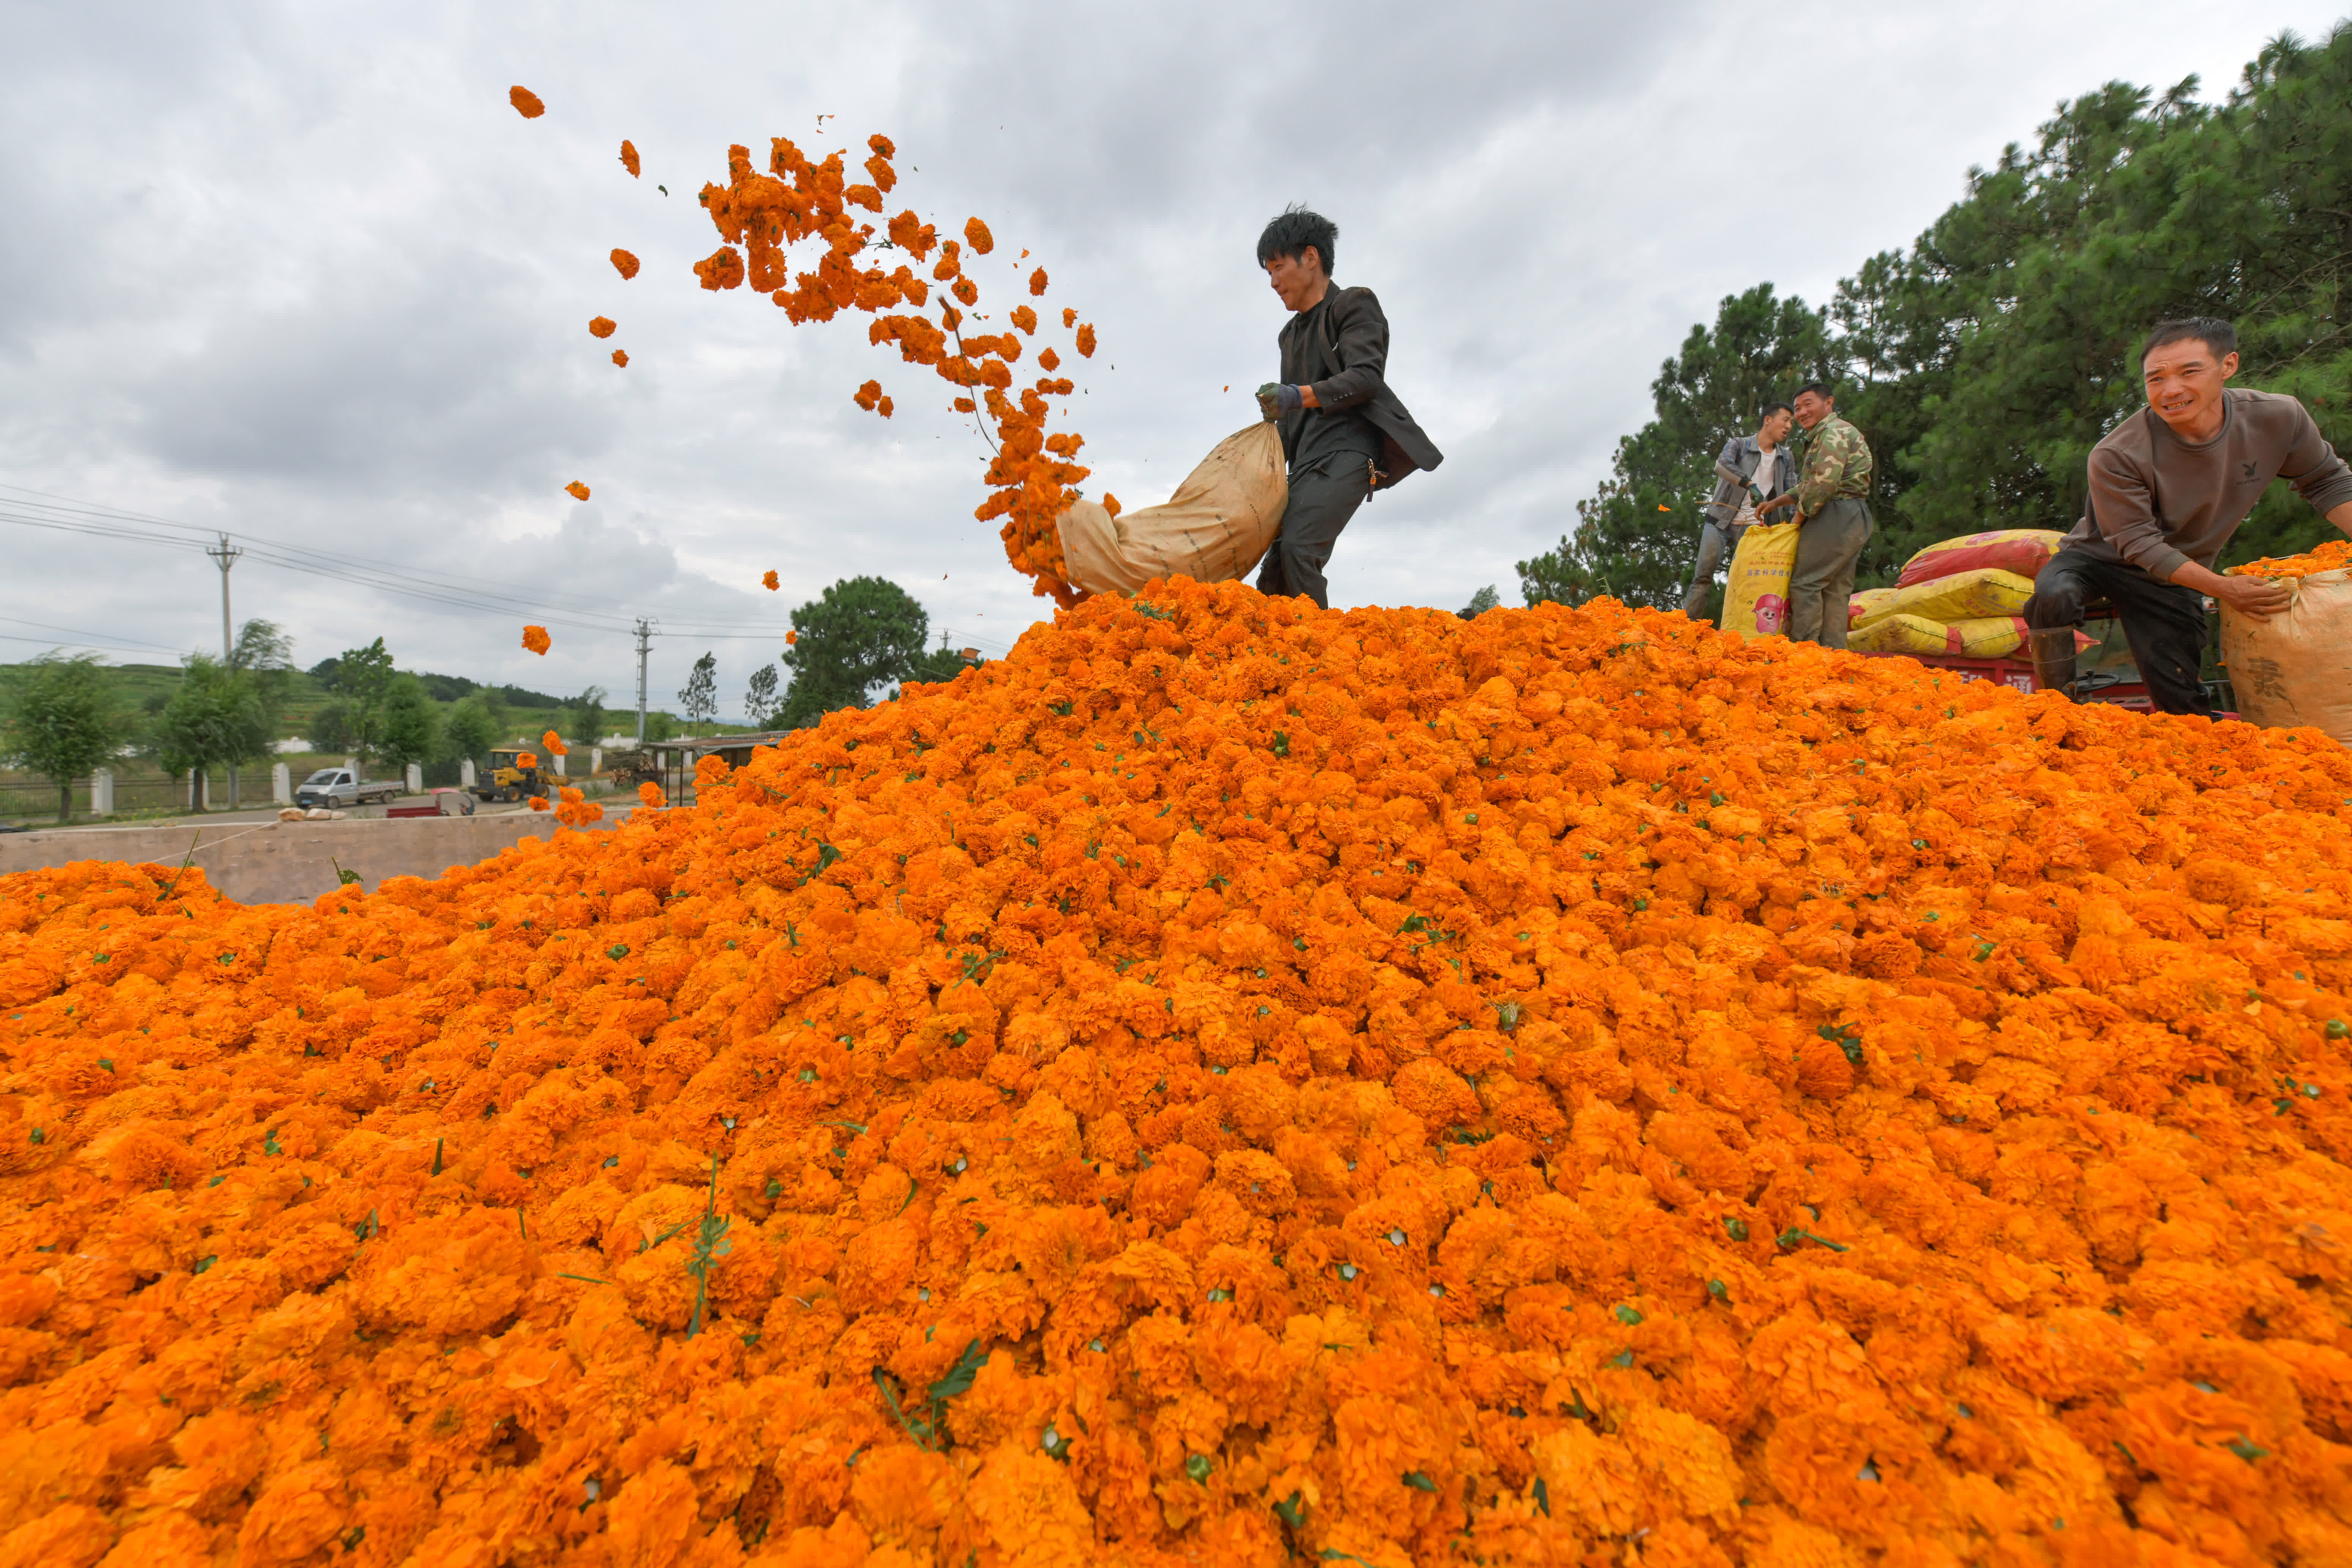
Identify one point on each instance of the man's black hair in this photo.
(1772, 408)
(1829, 393)
(1294, 231)
(2215, 334)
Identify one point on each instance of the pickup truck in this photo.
(338, 787)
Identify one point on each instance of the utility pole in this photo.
(645, 647)
(227, 556)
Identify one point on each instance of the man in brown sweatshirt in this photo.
(2169, 488)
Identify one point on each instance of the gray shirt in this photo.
(2157, 501)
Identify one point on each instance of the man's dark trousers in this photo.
(2164, 624)
(1323, 497)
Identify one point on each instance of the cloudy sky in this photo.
(299, 273)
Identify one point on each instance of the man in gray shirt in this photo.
(2169, 488)
(1758, 463)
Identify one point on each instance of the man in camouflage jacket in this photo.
(1831, 504)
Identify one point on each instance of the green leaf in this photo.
(1419, 1482)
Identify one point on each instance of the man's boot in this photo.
(2052, 651)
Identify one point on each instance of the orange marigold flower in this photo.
(1037, 282)
(629, 158)
(577, 490)
(624, 264)
(976, 235)
(554, 743)
(867, 395)
(2332, 555)
(539, 802)
(621, 356)
(1086, 341)
(650, 794)
(1069, 317)
(881, 146)
(526, 759)
(1023, 316)
(1110, 504)
(768, 580)
(535, 639)
(792, 636)
(722, 268)
(601, 326)
(526, 102)
(1049, 360)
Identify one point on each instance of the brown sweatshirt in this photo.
(2157, 501)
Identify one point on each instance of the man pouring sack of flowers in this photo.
(1344, 433)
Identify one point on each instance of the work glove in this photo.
(1274, 400)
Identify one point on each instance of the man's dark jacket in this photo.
(1341, 347)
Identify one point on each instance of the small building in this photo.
(675, 759)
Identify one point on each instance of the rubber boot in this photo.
(2053, 650)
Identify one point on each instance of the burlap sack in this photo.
(1215, 527)
(2295, 669)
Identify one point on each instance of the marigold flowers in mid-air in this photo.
(601, 326)
(526, 102)
(769, 581)
(792, 636)
(629, 157)
(577, 490)
(538, 803)
(650, 794)
(624, 263)
(536, 640)
(1231, 1081)
(554, 745)
(621, 357)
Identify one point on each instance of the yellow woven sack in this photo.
(1963, 596)
(1897, 633)
(1997, 636)
(1756, 601)
(2025, 550)
(1866, 605)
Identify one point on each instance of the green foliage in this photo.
(333, 727)
(760, 702)
(58, 718)
(864, 634)
(362, 681)
(218, 718)
(1636, 538)
(940, 665)
(1984, 363)
(1484, 600)
(411, 728)
(472, 726)
(583, 717)
(699, 696)
(661, 725)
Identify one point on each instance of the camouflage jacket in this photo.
(1837, 465)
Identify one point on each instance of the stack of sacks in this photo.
(1961, 597)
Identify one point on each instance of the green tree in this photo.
(699, 696)
(940, 666)
(363, 678)
(862, 634)
(1636, 538)
(411, 725)
(215, 719)
(1484, 600)
(471, 727)
(760, 702)
(1984, 362)
(331, 728)
(583, 717)
(60, 720)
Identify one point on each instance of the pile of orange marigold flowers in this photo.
(761, 217)
(1232, 1083)
(2332, 556)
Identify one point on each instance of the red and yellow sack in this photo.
(2025, 550)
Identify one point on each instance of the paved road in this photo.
(614, 806)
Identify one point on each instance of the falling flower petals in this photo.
(976, 235)
(526, 102)
(792, 636)
(1086, 341)
(629, 162)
